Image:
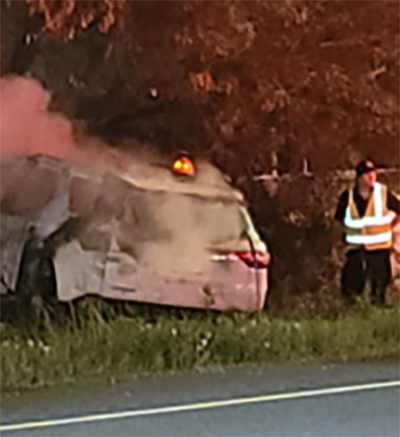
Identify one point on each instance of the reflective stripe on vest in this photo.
(373, 231)
(369, 239)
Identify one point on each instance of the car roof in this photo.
(209, 182)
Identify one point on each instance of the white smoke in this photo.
(28, 128)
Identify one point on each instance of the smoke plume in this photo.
(29, 128)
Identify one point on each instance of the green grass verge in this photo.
(124, 347)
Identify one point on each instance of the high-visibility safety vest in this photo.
(373, 231)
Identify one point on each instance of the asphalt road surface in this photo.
(303, 400)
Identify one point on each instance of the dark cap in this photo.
(364, 167)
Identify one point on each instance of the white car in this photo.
(171, 233)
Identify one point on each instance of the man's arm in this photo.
(393, 203)
(337, 230)
(341, 207)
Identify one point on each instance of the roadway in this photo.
(288, 400)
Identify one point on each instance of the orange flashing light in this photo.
(184, 166)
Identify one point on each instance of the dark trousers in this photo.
(362, 266)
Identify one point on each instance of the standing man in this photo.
(366, 212)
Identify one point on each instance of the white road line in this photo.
(200, 406)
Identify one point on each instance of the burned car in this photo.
(171, 233)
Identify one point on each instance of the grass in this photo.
(123, 346)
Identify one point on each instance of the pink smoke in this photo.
(26, 125)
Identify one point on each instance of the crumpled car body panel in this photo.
(116, 233)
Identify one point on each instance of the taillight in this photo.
(260, 260)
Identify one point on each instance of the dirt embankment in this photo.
(241, 83)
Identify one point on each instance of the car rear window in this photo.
(213, 220)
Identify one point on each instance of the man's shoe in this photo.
(380, 302)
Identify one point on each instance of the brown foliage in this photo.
(66, 18)
(300, 78)
(296, 222)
